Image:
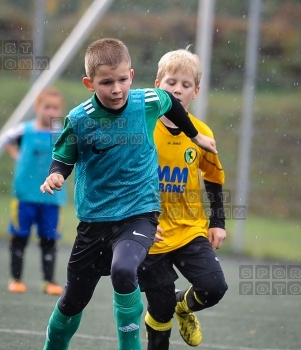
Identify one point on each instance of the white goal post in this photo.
(59, 62)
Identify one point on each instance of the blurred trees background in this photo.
(151, 28)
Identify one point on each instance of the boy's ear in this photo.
(157, 83)
(132, 73)
(196, 91)
(88, 84)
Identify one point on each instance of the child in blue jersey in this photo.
(109, 138)
(30, 144)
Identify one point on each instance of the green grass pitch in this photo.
(238, 322)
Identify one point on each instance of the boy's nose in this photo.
(116, 90)
(177, 91)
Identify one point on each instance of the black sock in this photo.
(48, 247)
(157, 340)
(191, 301)
(17, 247)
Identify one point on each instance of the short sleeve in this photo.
(65, 148)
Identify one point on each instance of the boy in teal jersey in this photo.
(30, 145)
(110, 139)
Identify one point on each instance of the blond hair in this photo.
(50, 91)
(105, 51)
(181, 59)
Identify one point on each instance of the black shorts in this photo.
(95, 241)
(194, 260)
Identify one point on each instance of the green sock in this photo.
(60, 330)
(128, 309)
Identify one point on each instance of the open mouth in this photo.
(115, 100)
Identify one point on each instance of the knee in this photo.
(212, 289)
(73, 301)
(46, 243)
(18, 243)
(121, 271)
(70, 305)
(124, 278)
(78, 291)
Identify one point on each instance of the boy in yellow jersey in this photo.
(187, 239)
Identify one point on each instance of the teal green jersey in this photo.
(32, 165)
(116, 160)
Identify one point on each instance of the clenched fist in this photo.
(53, 182)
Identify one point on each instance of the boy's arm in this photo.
(60, 168)
(179, 117)
(65, 149)
(11, 140)
(13, 150)
(216, 232)
(215, 195)
(211, 168)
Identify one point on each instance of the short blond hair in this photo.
(181, 59)
(50, 91)
(106, 51)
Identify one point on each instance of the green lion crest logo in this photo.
(190, 155)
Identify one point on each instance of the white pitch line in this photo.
(22, 303)
(213, 314)
(216, 314)
(92, 337)
(47, 304)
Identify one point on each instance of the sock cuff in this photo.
(62, 319)
(128, 300)
(197, 299)
(157, 326)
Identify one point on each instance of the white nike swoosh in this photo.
(139, 234)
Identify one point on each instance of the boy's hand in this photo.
(216, 236)
(205, 142)
(53, 182)
(158, 238)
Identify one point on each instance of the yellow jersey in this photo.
(182, 218)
